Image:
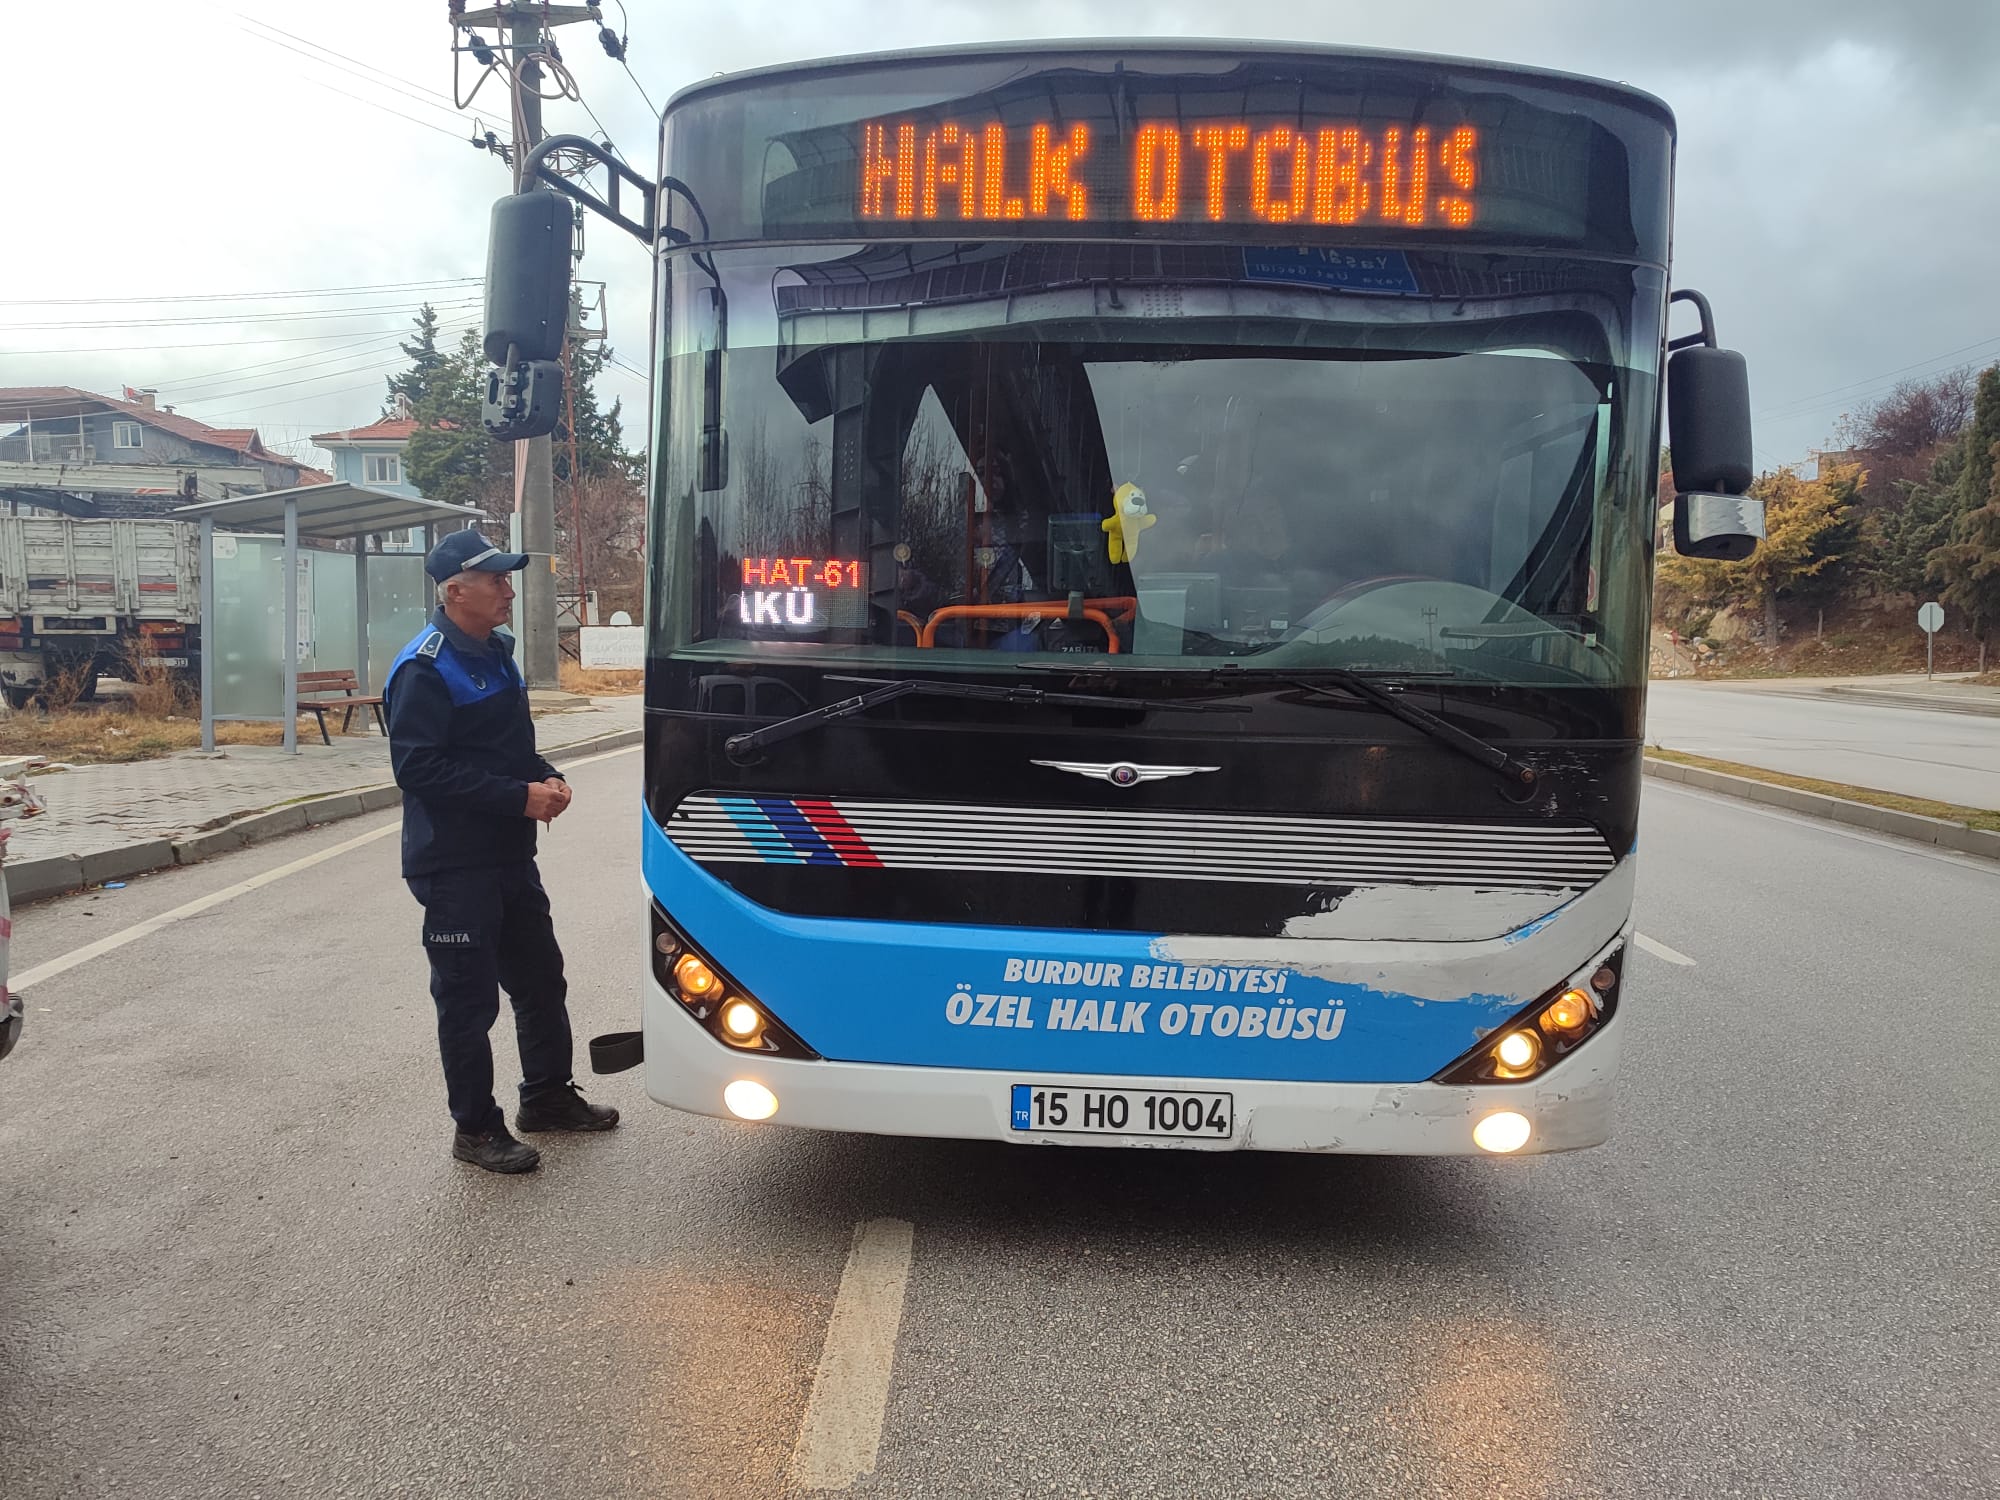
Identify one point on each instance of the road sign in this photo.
(1931, 618)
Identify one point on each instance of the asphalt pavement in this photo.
(1919, 752)
(236, 1260)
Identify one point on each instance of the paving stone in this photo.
(97, 809)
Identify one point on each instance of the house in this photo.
(373, 456)
(78, 453)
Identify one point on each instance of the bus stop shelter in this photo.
(324, 512)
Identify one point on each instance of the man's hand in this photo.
(547, 799)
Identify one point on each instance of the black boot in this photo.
(495, 1150)
(564, 1109)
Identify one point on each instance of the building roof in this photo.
(331, 511)
(22, 403)
(388, 430)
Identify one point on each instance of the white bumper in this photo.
(1569, 1107)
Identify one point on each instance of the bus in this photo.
(1150, 567)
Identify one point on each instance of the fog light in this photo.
(1568, 1013)
(1518, 1050)
(1499, 1133)
(752, 1101)
(696, 979)
(667, 944)
(1603, 979)
(743, 1022)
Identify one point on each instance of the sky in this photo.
(242, 204)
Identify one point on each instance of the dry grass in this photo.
(596, 683)
(1950, 812)
(102, 738)
(157, 692)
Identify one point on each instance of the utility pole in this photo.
(526, 22)
(534, 460)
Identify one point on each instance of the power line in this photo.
(234, 383)
(373, 104)
(319, 291)
(1784, 408)
(421, 93)
(249, 411)
(379, 338)
(224, 390)
(296, 338)
(240, 319)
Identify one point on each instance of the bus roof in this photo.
(1169, 47)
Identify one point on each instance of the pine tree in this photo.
(450, 457)
(1968, 566)
(426, 360)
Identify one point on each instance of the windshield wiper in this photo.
(743, 748)
(1469, 745)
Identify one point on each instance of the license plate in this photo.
(173, 661)
(1182, 1113)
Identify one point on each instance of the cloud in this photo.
(1835, 194)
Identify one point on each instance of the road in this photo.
(238, 1262)
(1949, 757)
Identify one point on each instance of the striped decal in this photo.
(721, 830)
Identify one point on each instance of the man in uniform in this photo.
(463, 747)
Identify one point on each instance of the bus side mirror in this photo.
(527, 314)
(1723, 528)
(527, 277)
(1708, 409)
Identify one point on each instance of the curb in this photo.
(1937, 702)
(62, 874)
(1935, 831)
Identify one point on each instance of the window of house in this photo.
(382, 468)
(127, 435)
(396, 538)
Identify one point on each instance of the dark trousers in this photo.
(488, 929)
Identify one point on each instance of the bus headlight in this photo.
(1517, 1053)
(749, 1100)
(742, 1024)
(1501, 1132)
(724, 1008)
(1546, 1032)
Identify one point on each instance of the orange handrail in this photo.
(1052, 609)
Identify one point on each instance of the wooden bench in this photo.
(341, 690)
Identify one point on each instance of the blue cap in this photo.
(469, 552)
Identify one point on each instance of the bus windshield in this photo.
(865, 463)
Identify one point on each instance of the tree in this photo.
(1913, 418)
(1968, 566)
(426, 361)
(1799, 515)
(449, 457)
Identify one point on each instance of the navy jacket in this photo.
(463, 748)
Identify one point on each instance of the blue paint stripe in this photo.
(764, 838)
(794, 825)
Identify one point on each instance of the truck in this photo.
(77, 597)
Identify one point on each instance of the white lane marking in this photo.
(1660, 950)
(850, 1395)
(193, 908)
(214, 899)
(1827, 826)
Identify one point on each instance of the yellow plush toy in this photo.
(1129, 517)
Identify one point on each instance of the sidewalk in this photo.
(128, 818)
(1953, 693)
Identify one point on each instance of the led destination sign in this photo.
(1335, 173)
(801, 592)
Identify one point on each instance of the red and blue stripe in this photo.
(799, 831)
